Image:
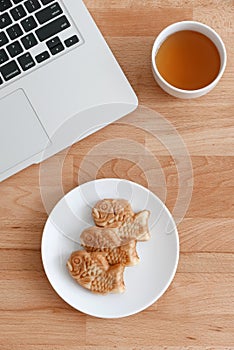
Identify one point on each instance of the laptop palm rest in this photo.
(22, 135)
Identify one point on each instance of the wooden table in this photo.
(198, 308)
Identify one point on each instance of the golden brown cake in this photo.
(111, 212)
(109, 246)
(92, 271)
(133, 228)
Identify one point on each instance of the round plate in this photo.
(145, 282)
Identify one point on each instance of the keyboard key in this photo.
(3, 39)
(14, 32)
(26, 61)
(53, 42)
(10, 70)
(56, 49)
(49, 13)
(52, 28)
(29, 41)
(18, 12)
(17, 1)
(71, 41)
(1, 81)
(14, 49)
(28, 24)
(32, 5)
(5, 5)
(3, 56)
(42, 56)
(46, 2)
(5, 20)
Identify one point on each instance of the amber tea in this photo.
(188, 60)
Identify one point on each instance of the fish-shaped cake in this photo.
(134, 227)
(111, 212)
(125, 254)
(92, 271)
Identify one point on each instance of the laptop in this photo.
(59, 81)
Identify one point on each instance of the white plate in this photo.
(145, 283)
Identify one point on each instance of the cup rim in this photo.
(222, 67)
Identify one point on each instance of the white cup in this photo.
(198, 27)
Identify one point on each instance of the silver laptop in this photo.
(59, 81)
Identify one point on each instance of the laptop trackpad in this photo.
(21, 134)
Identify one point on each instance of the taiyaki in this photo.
(133, 228)
(124, 254)
(111, 212)
(92, 271)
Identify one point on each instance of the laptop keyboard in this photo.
(32, 32)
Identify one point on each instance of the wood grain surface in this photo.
(197, 311)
